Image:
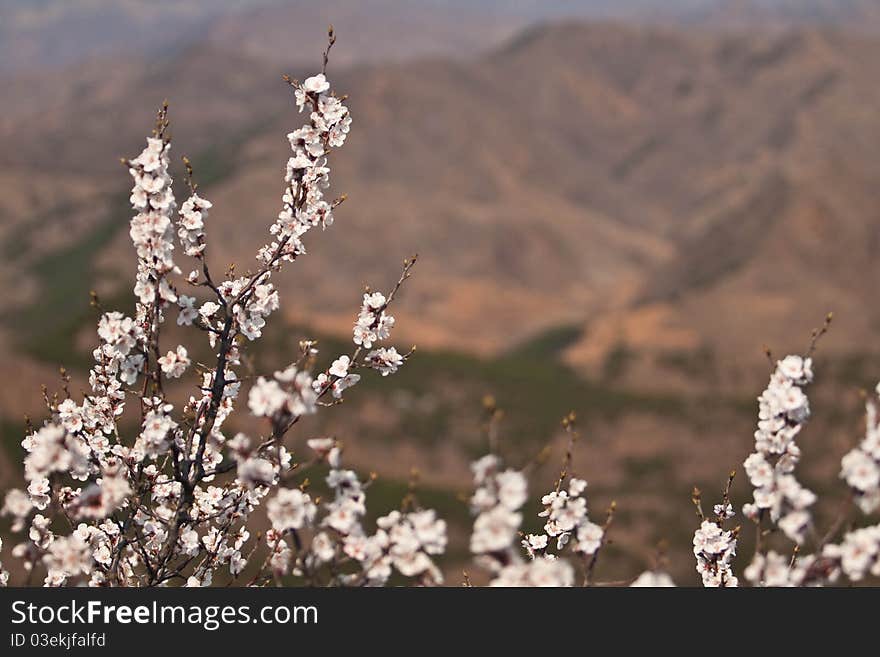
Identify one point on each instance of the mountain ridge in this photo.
(588, 173)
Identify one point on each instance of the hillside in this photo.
(36, 35)
(610, 218)
(644, 182)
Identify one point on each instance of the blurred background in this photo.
(617, 205)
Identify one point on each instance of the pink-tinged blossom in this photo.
(191, 225)
(174, 363)
(565, 511)
(783, 409)
(385, 360)
(495, 503)
(860, 467)
(290, 509)
(715, 548)
(151, 229)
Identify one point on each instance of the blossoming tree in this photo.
(174, 503)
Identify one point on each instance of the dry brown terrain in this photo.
(679, 197)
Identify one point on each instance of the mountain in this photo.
(40, 35)
(788, 228)
(669, 190)
(376, 31)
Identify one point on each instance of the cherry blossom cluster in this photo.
(78, 443)
(191, 225)
(372, 323)
(566, 513)
(118, 362)
(173, 503)
(860, 468)
(783, 410)
(307, 174)
(337, 377)
(288, 394)
(326, 542)
(499, 494)
(715, 548)
(174, 363)
(777, 570)
(498, 497)
(858, 554)
(152, 230)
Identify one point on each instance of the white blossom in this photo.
(316, 84)
(174, 363)
(266, 398)
(191, 225)
(783, 409)
(714, 549)
(255, 472)
(653, 579)
(290, 509)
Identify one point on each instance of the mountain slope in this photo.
(667, 189)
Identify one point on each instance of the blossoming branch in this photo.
(173, 502)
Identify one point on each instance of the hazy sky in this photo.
(40, 33)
